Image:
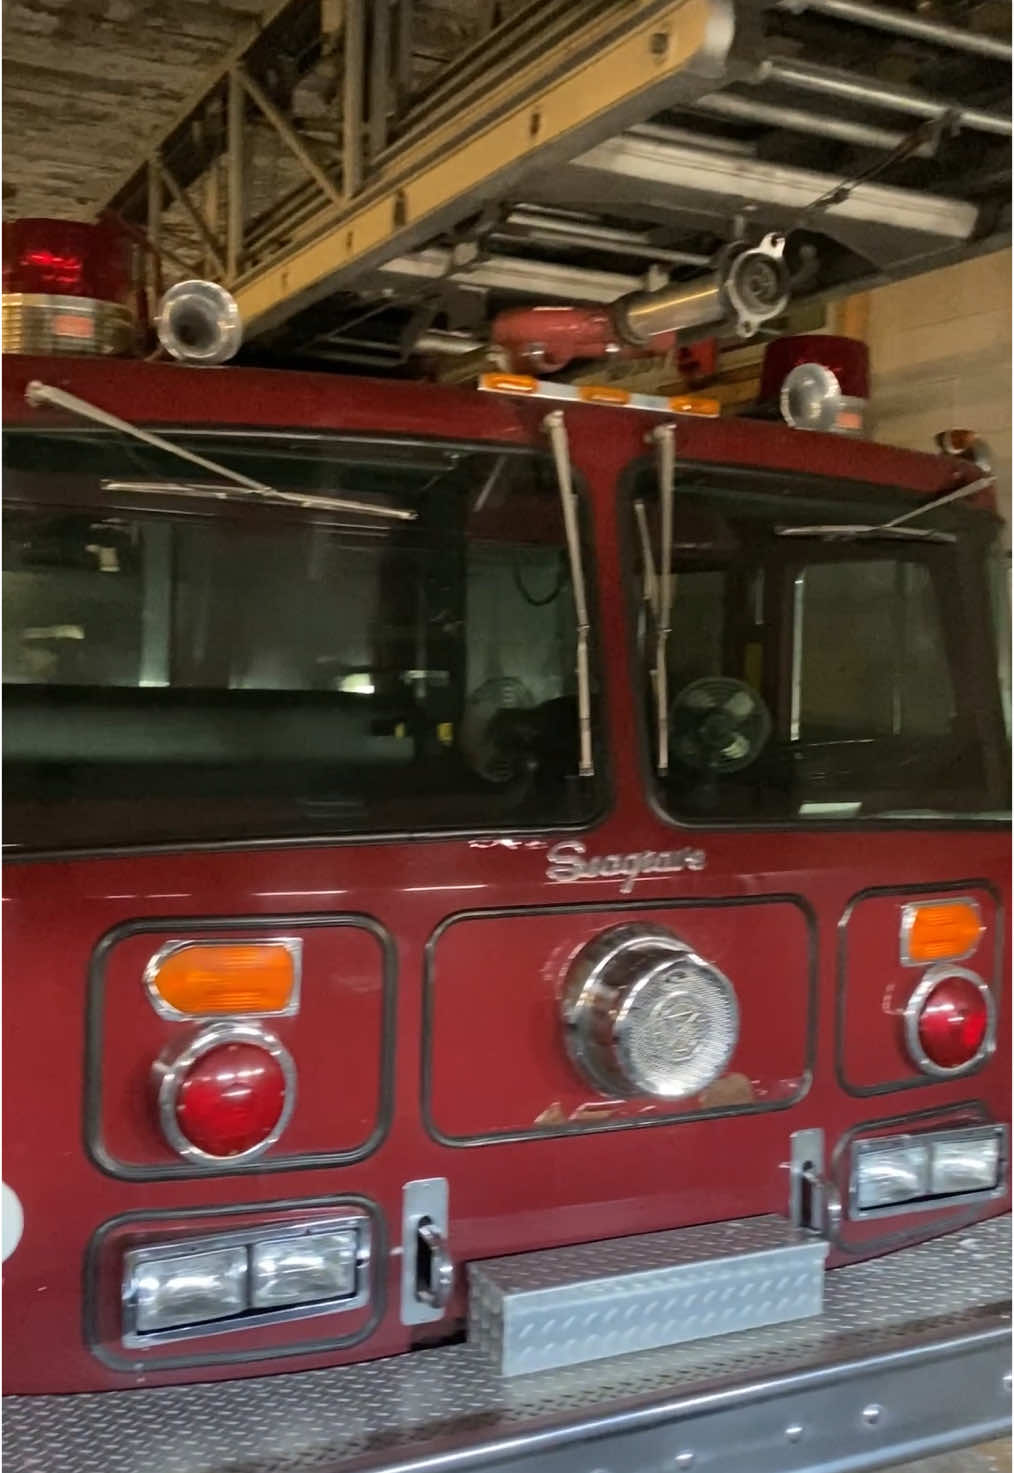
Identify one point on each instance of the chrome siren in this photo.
(644, 1015)
(199, 322)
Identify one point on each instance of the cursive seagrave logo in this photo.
(569, 861)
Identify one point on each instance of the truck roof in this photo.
(245, 398)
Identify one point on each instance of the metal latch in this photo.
(814, 1202)
(427, 1269)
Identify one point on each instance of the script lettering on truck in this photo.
(569, 861)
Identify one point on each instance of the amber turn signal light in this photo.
(939, 931)
(213, 979)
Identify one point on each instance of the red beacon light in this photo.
(818, 382)
(227, 1095)
(68, 287)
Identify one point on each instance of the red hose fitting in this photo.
(547, 338)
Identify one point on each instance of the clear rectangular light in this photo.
(302, 1270)
(891, 1173)
(189, 1289)
(965, 1164)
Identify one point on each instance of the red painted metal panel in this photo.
(499, 980)
(873, 993)
(336, 1040)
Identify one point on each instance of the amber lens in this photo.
(942, 931)
(210, 979)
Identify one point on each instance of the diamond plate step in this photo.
(564, 1306)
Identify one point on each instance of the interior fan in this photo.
(482, 730)
(718, 725)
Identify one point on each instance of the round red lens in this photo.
(231, 1099)
(953, 1023)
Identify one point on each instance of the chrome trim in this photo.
(556, 428)
(437, 1291)
(292, 944)
(251, 1318)
(932, 978)
(665, 441)
(796, 693)
(908, 920)
(942, 1203)
(171, 1068)
(424, 1205)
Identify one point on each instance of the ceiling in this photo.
(798, 97)
(90, 85)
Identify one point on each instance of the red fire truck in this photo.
(507, 919)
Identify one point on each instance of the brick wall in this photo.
(940, 349)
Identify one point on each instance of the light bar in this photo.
(195, 1286)
(903, 1173)
(607, 394)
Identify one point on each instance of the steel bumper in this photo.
(911, 1356)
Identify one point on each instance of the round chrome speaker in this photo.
(645, 1015)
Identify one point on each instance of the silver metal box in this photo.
(535, 1311)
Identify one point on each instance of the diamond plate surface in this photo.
(537, 1311)
(380, 1413)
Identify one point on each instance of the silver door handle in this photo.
(434, 1266)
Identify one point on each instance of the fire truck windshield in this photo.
(182, 666)
(818, 679)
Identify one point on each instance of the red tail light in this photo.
(229, 1093)
(950, 1021)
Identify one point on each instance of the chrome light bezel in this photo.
(292, 944)
(926, 1138)
(931, 979)
(172, 1067)
(250, 1318)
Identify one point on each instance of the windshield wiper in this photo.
(556, 429)
(38, 395)
(665, 440)
(898, 526)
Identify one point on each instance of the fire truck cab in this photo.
(507, 926)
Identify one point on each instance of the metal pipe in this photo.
(795, 119)
(289, 136)
(380, 75)
(847, 86)
(663, 133)
(456, 344)
(352, 98)
(904, 23)
(673, 309)
(537, 225)
(234, 206)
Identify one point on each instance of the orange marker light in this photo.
(603, 394)
(939, 931)
(509, 383)
(708, 408)
(212, 979)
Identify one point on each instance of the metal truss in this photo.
(359, 196)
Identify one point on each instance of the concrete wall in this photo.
(940, 349)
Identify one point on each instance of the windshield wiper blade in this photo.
(897, 526)
(851, 532)
(208, 492)
(38, 395)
